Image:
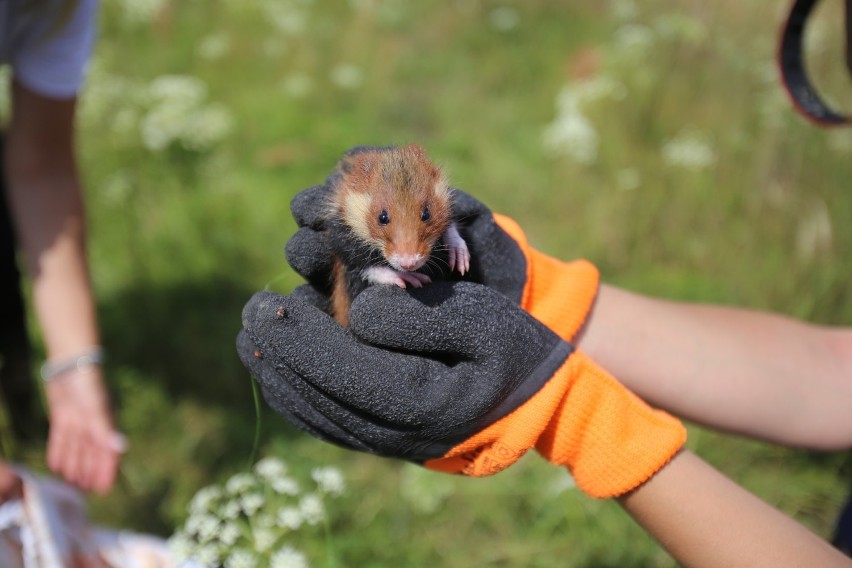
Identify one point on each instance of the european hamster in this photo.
(390, 210)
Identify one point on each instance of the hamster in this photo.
(390, 211)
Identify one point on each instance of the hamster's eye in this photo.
(384, 218)
(425, 215)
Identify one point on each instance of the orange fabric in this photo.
(583, 419)
(558, 294)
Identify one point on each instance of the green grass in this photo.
(180, 239)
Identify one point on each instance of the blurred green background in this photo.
(651, 137)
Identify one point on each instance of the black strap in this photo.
(791, 58)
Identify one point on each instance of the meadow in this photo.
(653, 138)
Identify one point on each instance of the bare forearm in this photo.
(50, 222)
(705, 520)
(758, 374)
(47, 208)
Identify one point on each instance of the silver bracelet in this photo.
(51, 371)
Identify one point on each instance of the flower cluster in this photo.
(179, 113)
(249, 521)
(169, 110)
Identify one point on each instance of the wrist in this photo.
(83, 362)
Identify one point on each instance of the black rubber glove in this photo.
(496, 259)
(454, 376)
(419, 371)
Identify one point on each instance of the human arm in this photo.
(47, 207)
(763, 375)
(703, 519)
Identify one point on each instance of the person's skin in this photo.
(758, 374)
(703, 519)
(47, 207)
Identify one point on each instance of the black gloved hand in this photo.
(419, 372)
(496, 259)
(455, 376)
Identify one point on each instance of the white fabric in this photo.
(48, 528)
(47, 55)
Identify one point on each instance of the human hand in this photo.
(454, 376)
(557, 293)
(83, 445)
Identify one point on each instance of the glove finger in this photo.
(309, 254)
(344, 376)
(496, 259)
(279, 394)
(443, 317)
(312, 295)
(460, 319)
(310, 206)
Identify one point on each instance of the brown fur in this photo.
(402, 182)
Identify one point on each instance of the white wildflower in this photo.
(180, 546)
(208, 555)
(240, 483)
(346, 76)
(141, 11)
(329, 480)
(285, 486)
(264, 538)
(179, 90)
(289, 518)
(288, 557)
(207, 528)
(689, 150)
(205, 498)
(230, 509)
(251, 503)
(203, 525)
(161, 126)
(572, 134)
(205, 127)
(312, 509)
(270, 468)
(241, 558)
(229, 534)
(504, 18)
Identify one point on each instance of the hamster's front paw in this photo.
(459, 255)
(387, 275)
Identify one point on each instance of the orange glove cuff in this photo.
(558, 294)
(582, 418)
